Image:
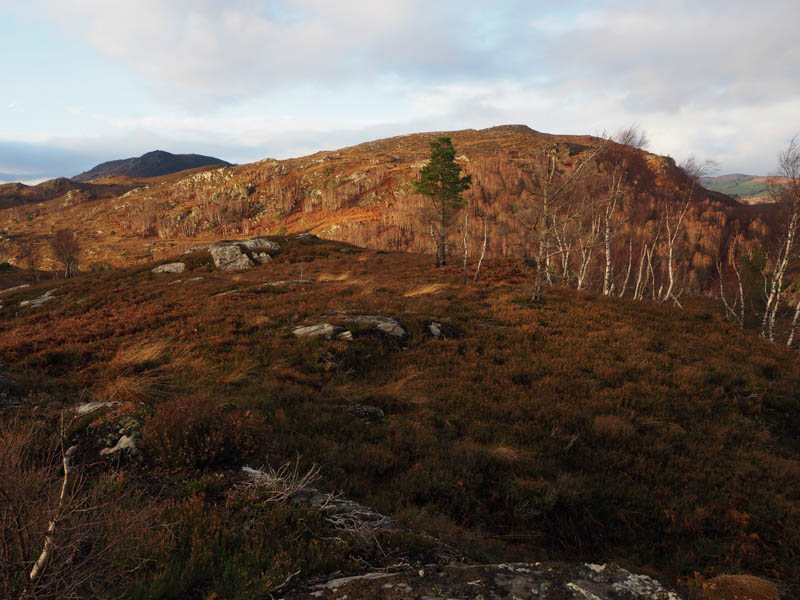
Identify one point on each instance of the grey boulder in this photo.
(176, 267)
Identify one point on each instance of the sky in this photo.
(85, 81)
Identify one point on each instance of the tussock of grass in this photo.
(136, 388)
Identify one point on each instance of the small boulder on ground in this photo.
(176, 267)
(445, 331)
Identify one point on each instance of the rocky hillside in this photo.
(292, 417)
(151, 164)
(362, 195)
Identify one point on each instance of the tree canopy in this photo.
(442, 182)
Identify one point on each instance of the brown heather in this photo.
(579, 427)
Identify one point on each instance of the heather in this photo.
(579, 426)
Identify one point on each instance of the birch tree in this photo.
(557, 195)
(787, 195)
(674, 209)
(734, 309)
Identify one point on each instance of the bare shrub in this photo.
(282, 483)
(66, 248)
(60, 535)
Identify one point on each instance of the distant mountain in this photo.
(152, 164)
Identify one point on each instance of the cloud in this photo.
(225, 51)
(243, 80)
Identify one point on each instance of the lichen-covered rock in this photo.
(320, 329)
(229, 257)
(125, 444)
(385, 325)
(39, 300)
(259, 244)
(502, 581)
(176, 267)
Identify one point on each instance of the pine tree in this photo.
(441, 181)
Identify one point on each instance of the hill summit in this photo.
(151, 164)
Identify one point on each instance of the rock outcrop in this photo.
(237, 255)
(230, 258)
(542, 581)
(39, 300)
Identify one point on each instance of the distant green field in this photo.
(741, 188)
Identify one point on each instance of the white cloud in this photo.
(718, 79)
(225, 51)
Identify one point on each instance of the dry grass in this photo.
(139, 354)
(239, 371)
(426, 289)
(322, 277)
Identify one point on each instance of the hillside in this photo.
(471, 425)
(69, 191)
(151, 164)
(746, 188)
(362, 195)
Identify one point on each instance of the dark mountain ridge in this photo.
(151, 164)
